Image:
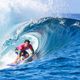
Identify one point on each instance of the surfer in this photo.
(22, 51)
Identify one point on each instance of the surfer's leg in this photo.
(17, 59)
(18, 56)
(26, 55)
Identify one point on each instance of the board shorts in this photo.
(19, 52)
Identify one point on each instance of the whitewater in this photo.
(56, 42)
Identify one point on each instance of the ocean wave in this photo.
(53, 37)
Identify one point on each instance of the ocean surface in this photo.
(56, 42)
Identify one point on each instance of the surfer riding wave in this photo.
(23, 51)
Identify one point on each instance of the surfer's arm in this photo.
(31, 48)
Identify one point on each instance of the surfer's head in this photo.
(26, 41)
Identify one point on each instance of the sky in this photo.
(65, 6)
(13, 12)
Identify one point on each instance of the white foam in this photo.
(7, 59)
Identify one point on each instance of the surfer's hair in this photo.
(26, 41)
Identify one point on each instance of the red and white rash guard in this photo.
(22, 47)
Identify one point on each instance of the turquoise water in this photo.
(57, 46)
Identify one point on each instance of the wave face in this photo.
(57, 45)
